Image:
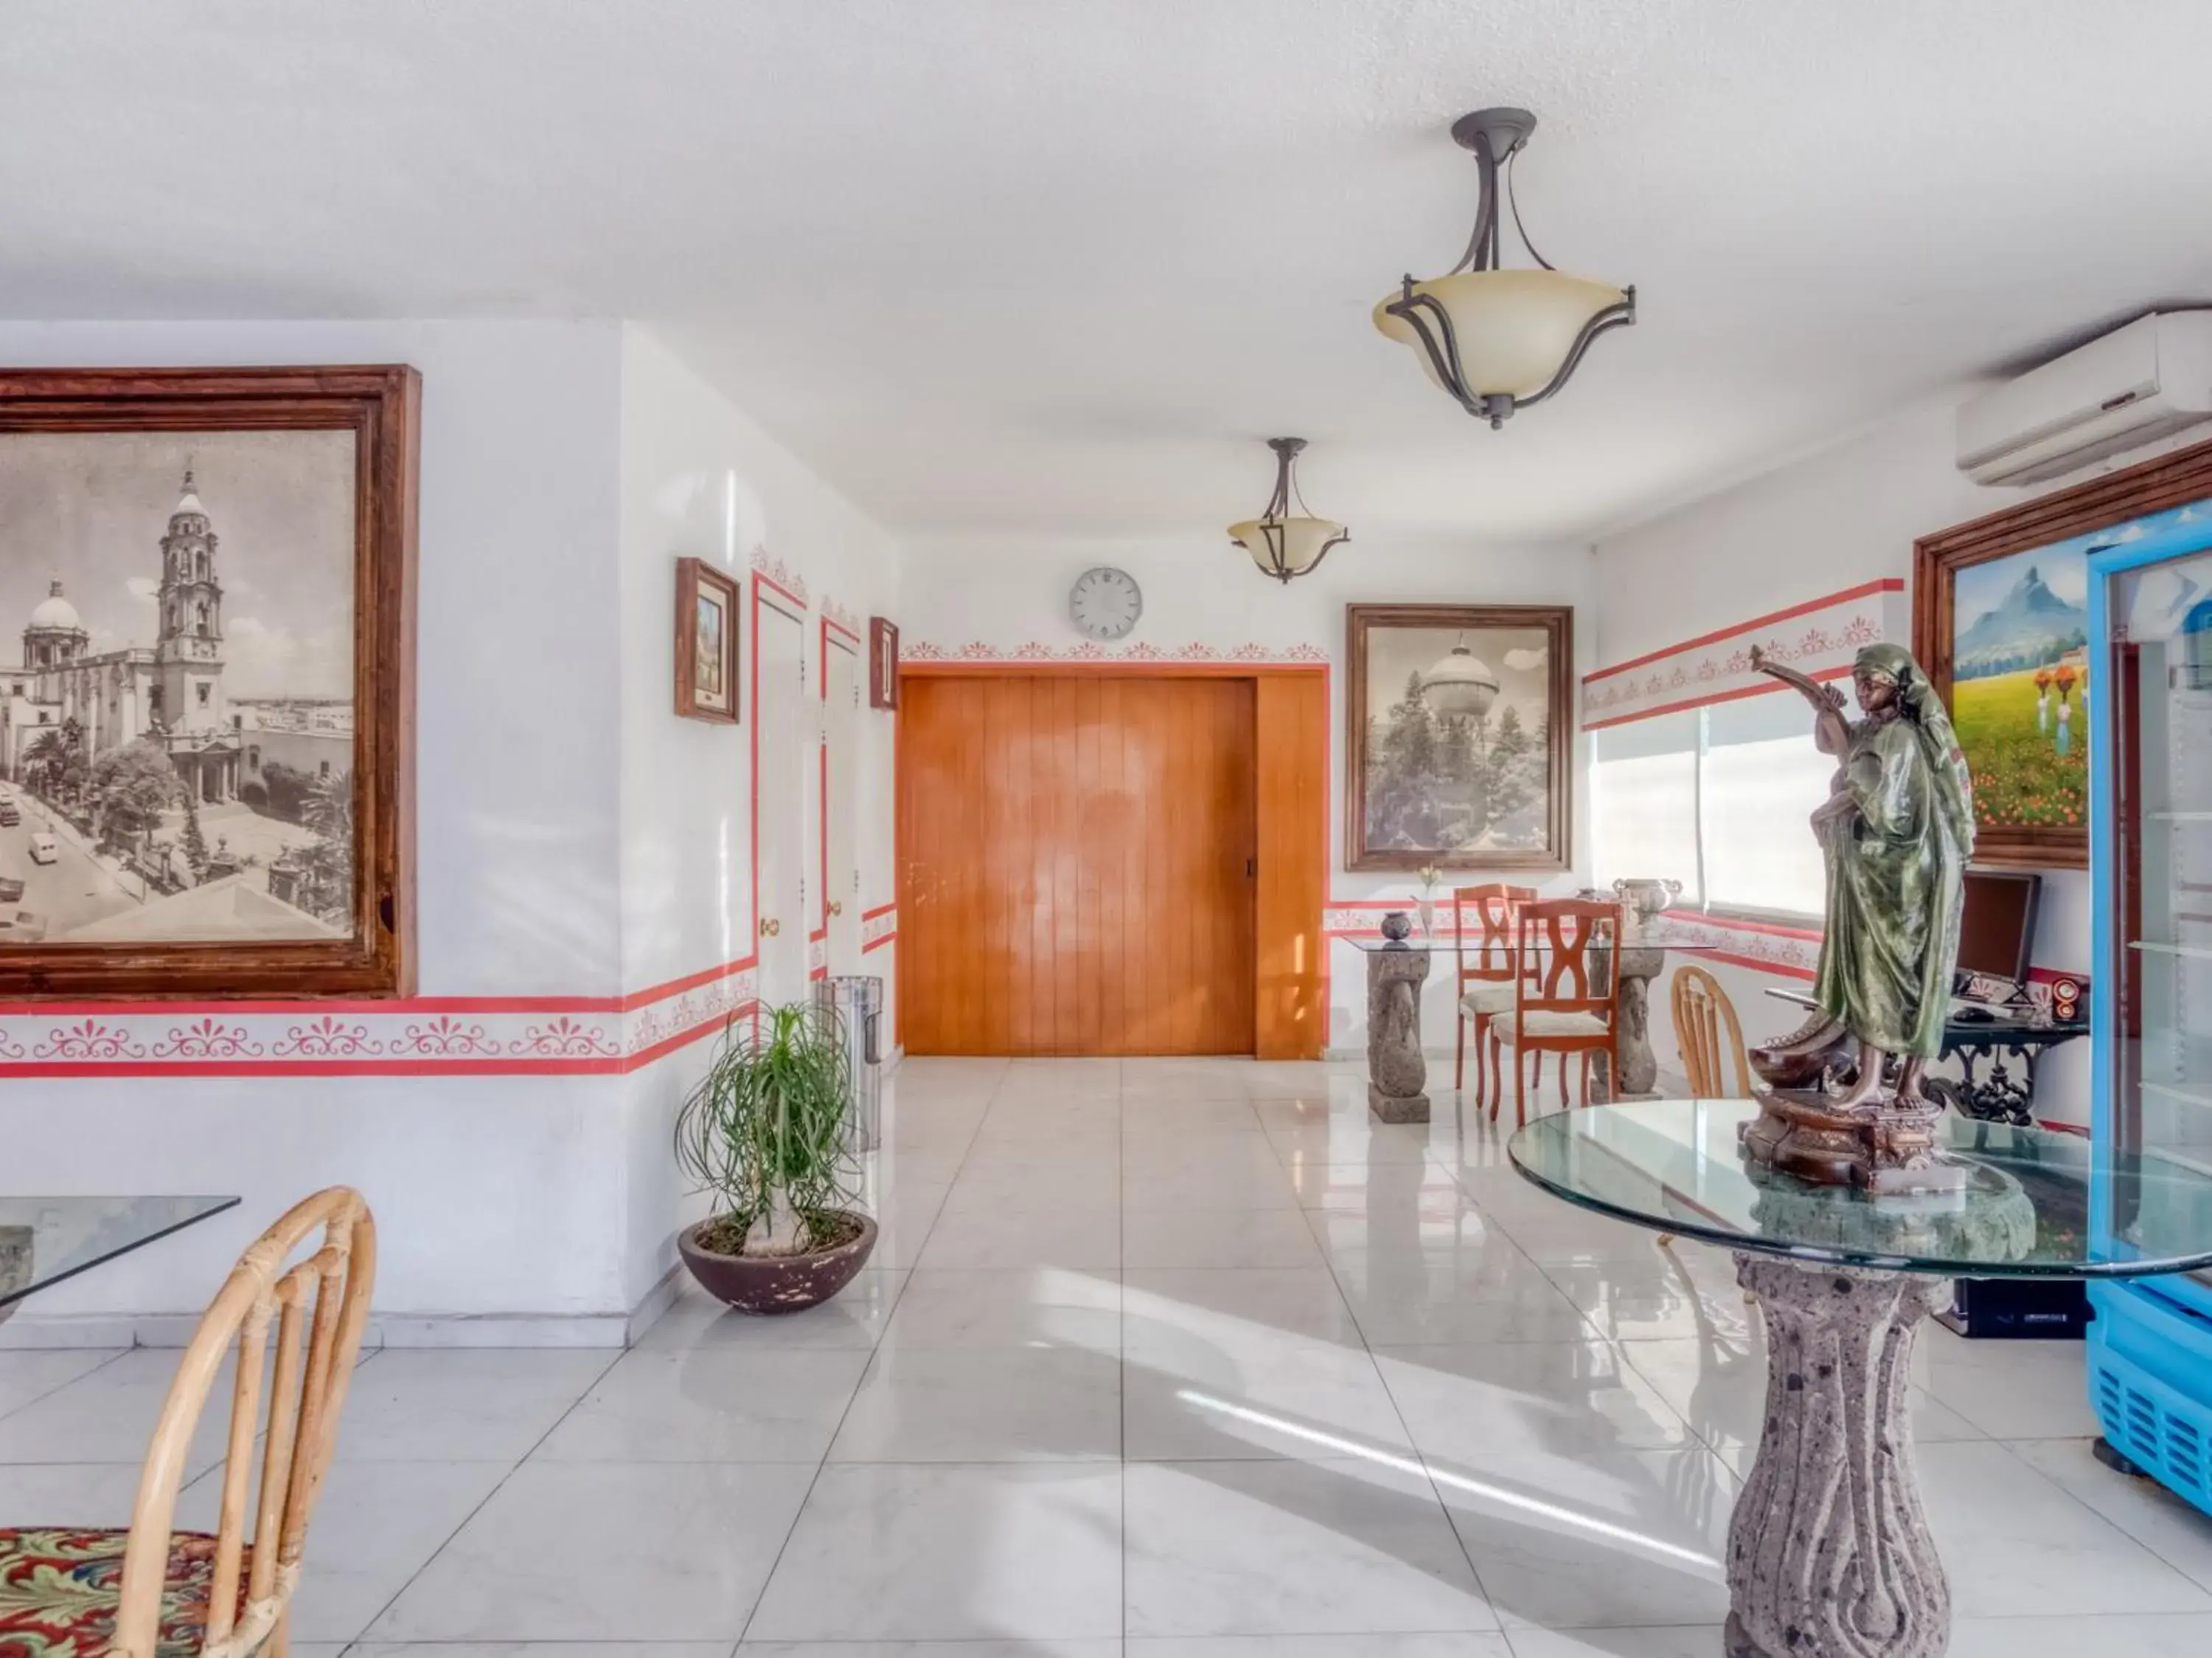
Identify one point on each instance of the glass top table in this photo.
(1418, 941)
(45, 1240)
(2025, 1212)
(1843, 1280)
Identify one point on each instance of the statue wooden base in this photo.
(1885, 1146)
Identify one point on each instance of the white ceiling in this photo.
(1036, 266)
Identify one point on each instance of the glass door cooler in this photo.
(2149, 717)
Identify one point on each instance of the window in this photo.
(201, 687)
(1717, 798)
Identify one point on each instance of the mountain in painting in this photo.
(2030, 627)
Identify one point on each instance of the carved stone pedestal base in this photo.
(1397, 1075)
(1829, 1554)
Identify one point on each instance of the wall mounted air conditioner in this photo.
(2134, 386)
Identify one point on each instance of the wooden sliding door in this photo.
(1076, 870)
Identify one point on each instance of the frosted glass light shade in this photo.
(1514, 328)
(1304, 540)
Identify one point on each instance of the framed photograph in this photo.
(706, 643)
(1456, 725)
(2000, 619)
(207, 737)
(882, 662)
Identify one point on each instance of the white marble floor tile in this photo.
(1422, 1221)
(1681, 1293)
(1596, 1540)
(28, 1374)
(1243, 1393)
(2016, 1545)
(600, 1552)
(93, 1494)
(1679, 1641)
(1352, 1546)
(2118, 1635)
(534, 1649)
(2011, 1389)
(1425, 1297)
(1045, 1307)
(1340, 1140)
(1074, 1237)
(722, 1403)
(422, 1404)
(909, 1552)
(1109, 1647)
(903, 1217)
(855, 1317)
(375, 1526)
(1354, 1188)
(1460, 1644)
(1460, 1402)
(2176, 1531)
(1227, 1303)
(1147, 1121)
(107, 1415)
(1160, 1239)
(985, 1404)
(1242, 1173)
(1082, 1183)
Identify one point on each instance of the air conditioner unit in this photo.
(2133, 386)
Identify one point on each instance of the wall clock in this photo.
(1104, 603)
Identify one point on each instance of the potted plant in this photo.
(764, 1132)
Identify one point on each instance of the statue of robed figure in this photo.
(1895, 833)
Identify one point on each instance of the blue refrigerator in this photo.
(2149, 711)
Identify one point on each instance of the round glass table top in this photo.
(2037, 1203)
(1443, 942)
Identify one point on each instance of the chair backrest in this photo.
(1566, 946)
(1705, 1029)
(324, 1297)
(1493, 905)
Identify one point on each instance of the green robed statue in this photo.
(1896, 831)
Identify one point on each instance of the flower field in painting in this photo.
(2021, 779)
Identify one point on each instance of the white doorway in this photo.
(840, 911)
(783, 792)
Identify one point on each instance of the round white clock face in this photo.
(1104, 603)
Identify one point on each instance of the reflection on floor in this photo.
(1168, 1358)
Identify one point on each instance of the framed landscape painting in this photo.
(706, 643)
(1455, 736)
(206, 635)
(2000, 621)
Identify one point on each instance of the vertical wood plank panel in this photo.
(1290, 769)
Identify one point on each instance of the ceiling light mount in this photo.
(1282, 544)
(1499, 340)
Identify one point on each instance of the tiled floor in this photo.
(1185, 1359)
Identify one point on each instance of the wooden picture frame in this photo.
(301, 882)
(1533, 829)
(883, 663)
(2059, 526)
(707, 612)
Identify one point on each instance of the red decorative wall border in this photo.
(1818, 637)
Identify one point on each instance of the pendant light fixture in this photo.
(1498, 340)
(1282, 544)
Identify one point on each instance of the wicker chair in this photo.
(150, 1592)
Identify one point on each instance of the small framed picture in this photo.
(882, 662)
(706, 643)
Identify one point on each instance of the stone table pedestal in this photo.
(1397, 1075)
(1829, 1552)
(1638, 1067)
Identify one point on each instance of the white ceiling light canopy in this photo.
(1284, 544)
(1498, 340)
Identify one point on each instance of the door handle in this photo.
(771, 928)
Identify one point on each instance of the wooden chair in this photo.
(152, 1593)
(1485, 990)
(1566, 1001)
(1706, 1031)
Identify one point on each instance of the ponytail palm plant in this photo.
(764, 1132)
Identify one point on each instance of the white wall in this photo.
(1200, 589)
(575, 838)
(495, 1195)
(1829, 522)
(700, 480)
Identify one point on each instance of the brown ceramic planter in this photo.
(784, 1284)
